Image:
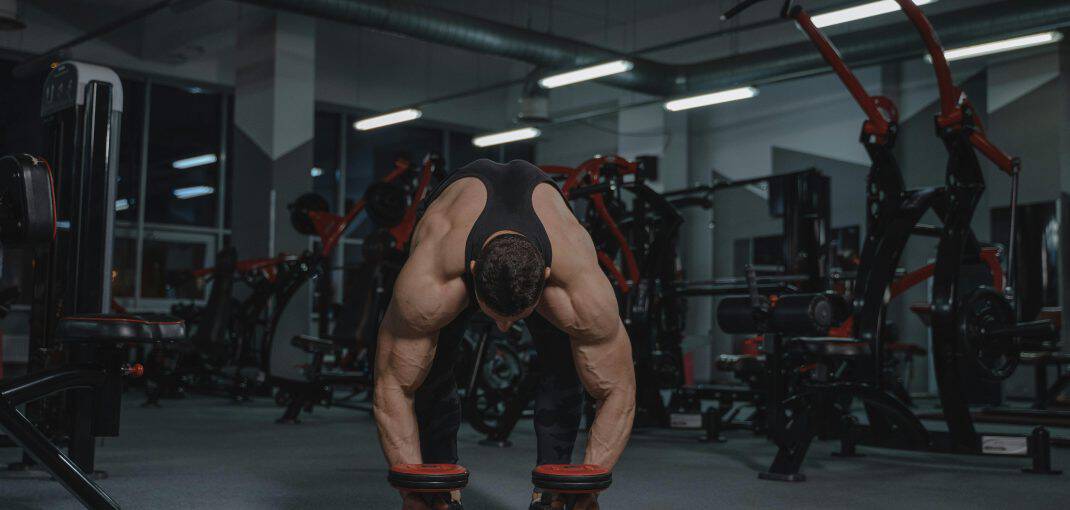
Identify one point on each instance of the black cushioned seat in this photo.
(120, 328)
(314, 344)
(831, 346)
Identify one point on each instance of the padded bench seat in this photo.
(345, 377)
(313, 344)
(831, 346)
(121, 328)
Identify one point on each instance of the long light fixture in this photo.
(388, 119)
(203, 159)
(192, 192)
(586, 73)
(867, 10)
(514, 135)
(723, 96)
(1015, 43)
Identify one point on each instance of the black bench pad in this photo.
(832, 346)
(149, 328)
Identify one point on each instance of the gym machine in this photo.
(801, 200)
(816, 378)
(73, 387)
(392, 205)
(641, 229)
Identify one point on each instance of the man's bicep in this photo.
(404, 355)
(604, 364)
(422, 304)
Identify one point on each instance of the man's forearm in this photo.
(611, 428)
(399, 433)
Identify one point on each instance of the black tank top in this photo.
(509, 188)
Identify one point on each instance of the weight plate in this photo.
(496, 385)
(985, 310)
(385, 203)
(300, 209)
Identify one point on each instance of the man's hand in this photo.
(583, 502)
(414, 501)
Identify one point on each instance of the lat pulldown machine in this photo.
(982, 326)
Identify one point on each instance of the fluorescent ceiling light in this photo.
(587, 73)
(867, 10)
(122, 204)
(316, 171)
(711, 99)
(203, 159)
(506, 137)
(192, 192)
(387, 119)
(1016, 43)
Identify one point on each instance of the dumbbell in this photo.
(568, 482)
(432, 482)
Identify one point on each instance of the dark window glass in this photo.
(16, 270)
(20, 113)
(228, 201)
(183, 170)
(129, 180)
(520, 150)
(371, 155)
(846, 242)
(325, 166)
(165, 261)
(123, 267)
(769, 253)
(1037, 253)
(462, 152)
(355, 281)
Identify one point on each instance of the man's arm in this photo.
(584, 306)
(424, 301)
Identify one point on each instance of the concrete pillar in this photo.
(274, 109)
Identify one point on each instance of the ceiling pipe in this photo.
(895, 41)
(437, 25)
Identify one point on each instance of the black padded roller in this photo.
(428, 478)
(735, 315)
(571, 479)
(802, 315)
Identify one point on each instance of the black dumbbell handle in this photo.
(1033, 330)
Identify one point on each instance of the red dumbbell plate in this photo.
(571, 478)
(428, 477)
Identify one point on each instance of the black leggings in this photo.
(558, 395)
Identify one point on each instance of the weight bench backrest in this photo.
(215, 319)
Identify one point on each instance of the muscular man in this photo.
(500, 238)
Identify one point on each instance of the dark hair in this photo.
(509, 274)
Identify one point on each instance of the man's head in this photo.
(509, 277)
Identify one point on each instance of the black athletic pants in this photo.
(558, 395)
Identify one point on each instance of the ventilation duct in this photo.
(894, 41)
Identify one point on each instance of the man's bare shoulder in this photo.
(440, 237)
(573, 250)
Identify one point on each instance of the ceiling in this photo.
(196, 28)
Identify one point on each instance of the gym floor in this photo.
(206, 452)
